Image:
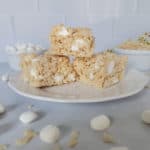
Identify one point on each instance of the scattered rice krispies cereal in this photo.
(101, 70)
(78, 42)
(47, 70)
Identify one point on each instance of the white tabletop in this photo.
(127, 127)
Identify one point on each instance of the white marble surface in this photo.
(126, 127)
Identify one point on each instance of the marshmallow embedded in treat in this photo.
(91, 76)
(34, 74)
(71, 77)
(58, 78)
(115, 80)
(63, 32)
(77, 44)
(111, 67)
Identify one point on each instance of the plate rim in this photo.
(82, 100)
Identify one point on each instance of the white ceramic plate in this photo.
(133, 83)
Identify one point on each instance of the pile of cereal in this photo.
(142, 43)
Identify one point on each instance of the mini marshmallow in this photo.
(63, 32)
(34, 73)
(146, 116)
(77, 44)
(50, 134)
(2, 109)
(97, 66)
(101, 122)
(5, 77)
(91, 76)
(28, 117)
(71, 77)
(58, 78)
(20, 48)
(115, 80)
(111, 67)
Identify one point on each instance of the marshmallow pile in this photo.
(20, 48)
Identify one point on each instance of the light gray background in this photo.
(112, 21)
(127, 127)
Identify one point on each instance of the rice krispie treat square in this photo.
(47, 70)
(101, 70)
(78, 42)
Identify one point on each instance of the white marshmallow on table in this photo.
(119, 148)
(2, 109)
(28, 117)
(50, 134)
(146, 116)
(101, 122)
(4, 77)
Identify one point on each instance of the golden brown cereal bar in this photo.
(101, 70)
(78, 42)
(47, 70)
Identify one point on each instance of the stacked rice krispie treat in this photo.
(101, 70)
(47, 70)
(78, 42)
(55, 68)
